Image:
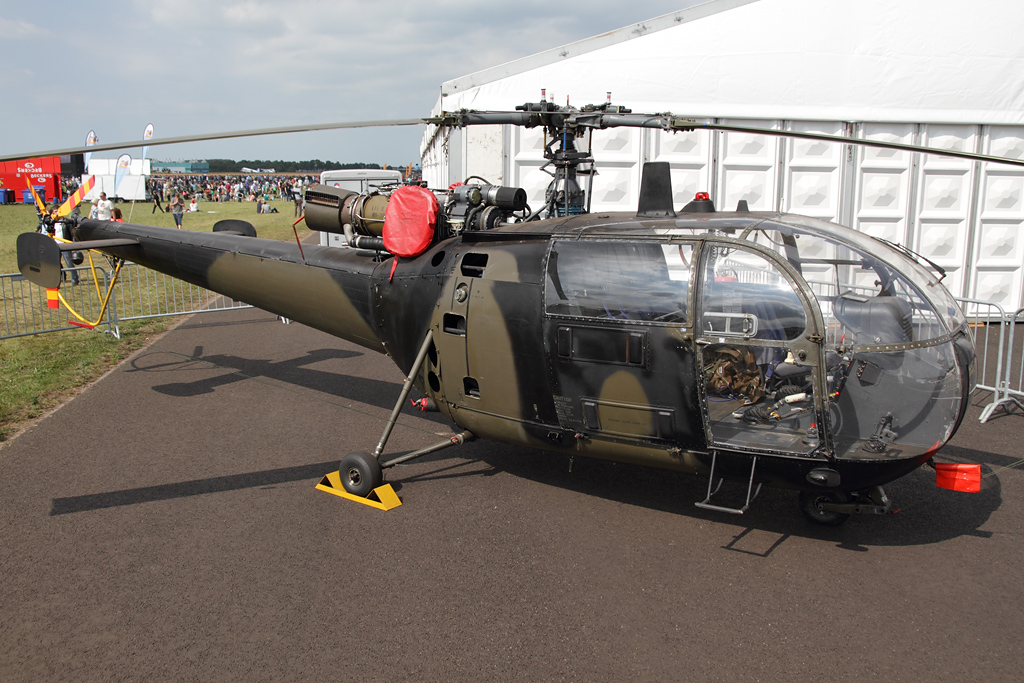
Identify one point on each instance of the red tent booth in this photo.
(42, 172)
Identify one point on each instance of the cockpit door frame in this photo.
(808, 348)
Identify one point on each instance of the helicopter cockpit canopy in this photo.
(895, 335)
(801, 329)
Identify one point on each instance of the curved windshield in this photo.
(879, 258)
(869, 293)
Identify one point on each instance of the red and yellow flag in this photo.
(51, 298)
(76, 198)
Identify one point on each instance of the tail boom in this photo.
(329, 289)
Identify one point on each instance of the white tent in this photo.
(133, 185)
(931, 72)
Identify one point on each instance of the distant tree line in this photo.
(311, 166)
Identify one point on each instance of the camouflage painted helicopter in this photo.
(766, 348)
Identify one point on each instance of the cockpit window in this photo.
(746, 295)
(618, 280)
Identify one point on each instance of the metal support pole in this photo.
(406, 386)
(457, 440)
(113, 324)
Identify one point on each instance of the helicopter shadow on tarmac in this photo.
(294, 371)
(926, 514)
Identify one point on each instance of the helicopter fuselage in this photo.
(769, 347)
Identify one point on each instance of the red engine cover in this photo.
(409, 221)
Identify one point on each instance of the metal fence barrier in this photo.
(139, 293)
(1008, 391)
(989, 325)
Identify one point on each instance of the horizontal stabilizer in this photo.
(95, 244)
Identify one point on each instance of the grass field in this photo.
(40, 372)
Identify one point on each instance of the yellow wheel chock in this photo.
(386, 498)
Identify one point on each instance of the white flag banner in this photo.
(123, 162)
(90, 140)
(147, 136)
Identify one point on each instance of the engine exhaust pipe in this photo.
(330, 209)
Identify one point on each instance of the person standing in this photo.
(156, 199)
(298, 199)
(177, 208)
(104, 208)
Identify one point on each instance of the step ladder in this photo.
(706, 503)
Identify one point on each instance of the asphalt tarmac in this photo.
(164, 525)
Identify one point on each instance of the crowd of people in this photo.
(182, 193)
(241, 188)
(262, 190)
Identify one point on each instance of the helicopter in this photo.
(759, 347)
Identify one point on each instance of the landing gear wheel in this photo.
(811, 502)
(360, 473)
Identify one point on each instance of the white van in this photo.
(361, 179)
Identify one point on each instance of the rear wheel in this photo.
(811, 503)
(360, 473)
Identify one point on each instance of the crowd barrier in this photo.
(1008, 389)
(138, 294)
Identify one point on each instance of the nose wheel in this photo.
(814, 505)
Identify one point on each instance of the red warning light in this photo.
(702, 195)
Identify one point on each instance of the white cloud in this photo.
(17, 30)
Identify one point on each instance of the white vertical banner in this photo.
(123, 162)
(90, 140)
(147, 136)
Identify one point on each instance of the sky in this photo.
(202, 66)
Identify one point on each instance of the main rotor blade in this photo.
(102, 147)
(862, 142)
(595, 118)
(589, 119)
(681, 124)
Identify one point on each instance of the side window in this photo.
(745, 295)
(644, 281)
